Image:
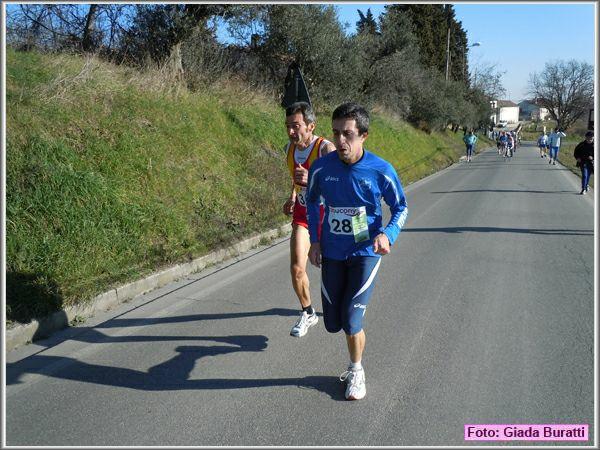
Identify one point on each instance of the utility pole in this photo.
(448, 54)
(447, 8)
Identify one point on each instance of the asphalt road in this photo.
(483, 313)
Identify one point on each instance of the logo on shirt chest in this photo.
(364, 183)
(330, 178)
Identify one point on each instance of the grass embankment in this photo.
(112, 174)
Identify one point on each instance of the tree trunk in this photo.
(87, 42)
(175, 63)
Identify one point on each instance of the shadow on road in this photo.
(117, 323)
(93, 336)
(503, 191)
(173, 374)
(500, 230)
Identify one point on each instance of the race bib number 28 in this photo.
(349, 221)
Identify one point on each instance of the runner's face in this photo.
(347, 139)
(297, 129)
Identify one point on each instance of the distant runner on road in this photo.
(510, 145)
(584, 154)
(470, 139)
(542, 142)
(554, 141)
(515, 141)
(502, 143)
(351, 183)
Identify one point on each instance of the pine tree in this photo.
(430, 25)
(366, 24)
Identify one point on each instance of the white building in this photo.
(529, 110)
(504, 110)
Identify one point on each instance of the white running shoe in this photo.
(304, 323)
(355, 384)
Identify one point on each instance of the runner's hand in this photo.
(381, 244)
(314, 254)
(300, 175)
(288, 207)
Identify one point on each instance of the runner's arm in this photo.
(313, 203)
(393, 195)
(288, 206)
(577, 151)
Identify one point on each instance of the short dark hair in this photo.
(353, 111)
(589, 134)
(304, 108)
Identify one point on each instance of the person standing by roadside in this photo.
(584, 154)
(302, 150)
(470, 139)
(554, 141)
(351, 183)
(542, 142)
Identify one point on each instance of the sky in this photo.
(518, 38)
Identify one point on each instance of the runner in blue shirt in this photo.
(351, 182)
(554, 141)
(470, 139)
(503, 143)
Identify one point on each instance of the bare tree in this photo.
(566, 89)
(67, 26)
(31, 25)
(487, 80)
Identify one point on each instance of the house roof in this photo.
(506, 104)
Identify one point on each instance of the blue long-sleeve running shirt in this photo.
(352, 197)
